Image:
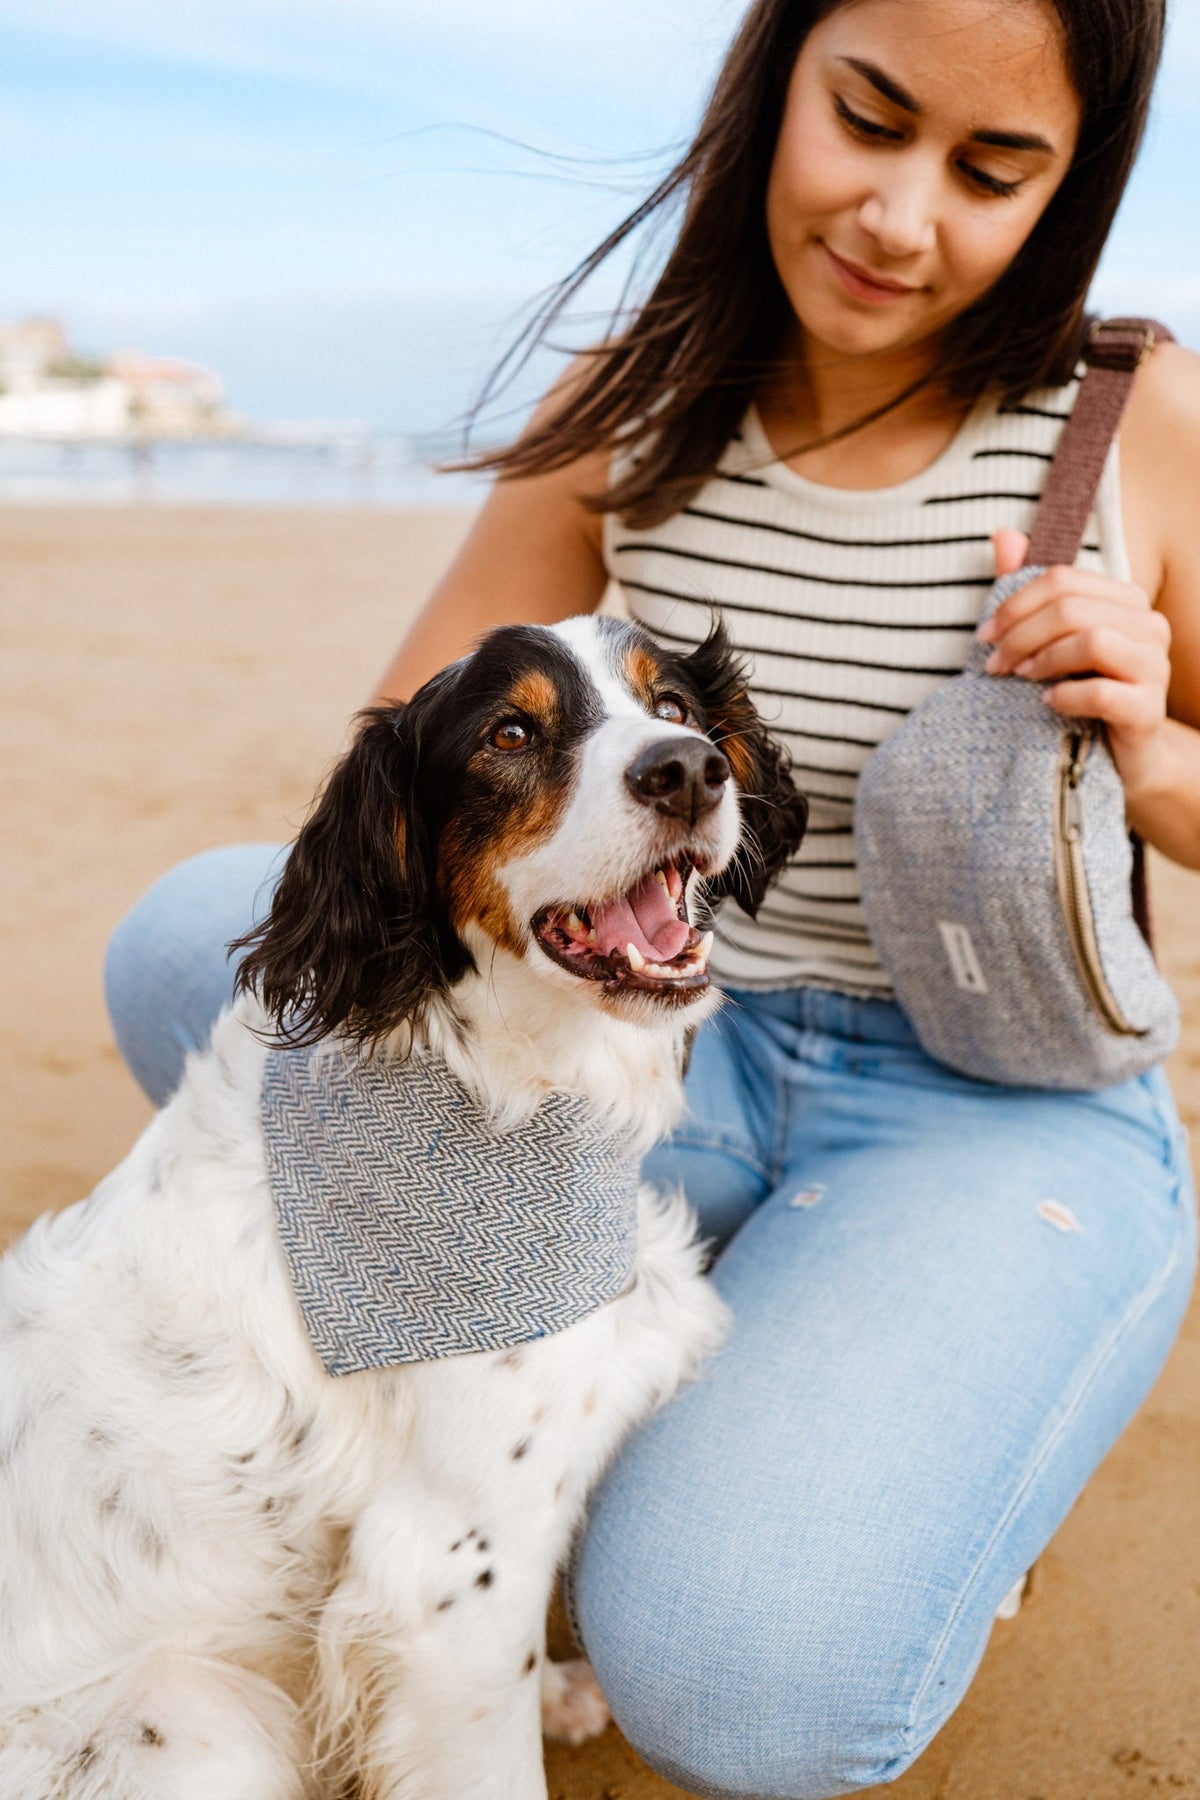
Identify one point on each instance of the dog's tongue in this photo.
(645, 918)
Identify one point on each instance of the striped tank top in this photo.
(849, 607)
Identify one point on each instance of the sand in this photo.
(175, 679)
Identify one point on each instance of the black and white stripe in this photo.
(850, 607)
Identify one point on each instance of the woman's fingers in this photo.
(1009, 547)
(1077, 618)
(1101, 650)
(1062, 588)
(1128, 711)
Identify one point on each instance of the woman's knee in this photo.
(747, 1703)
(736, 1668)
(167, 972)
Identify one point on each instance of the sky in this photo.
(344, 206)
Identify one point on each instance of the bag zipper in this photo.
(1071, 876)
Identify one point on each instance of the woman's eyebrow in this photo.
(1013, 140)
(891, 90)
(883, 84)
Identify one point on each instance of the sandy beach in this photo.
(176, 679)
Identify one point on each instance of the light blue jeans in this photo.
(949, 1300)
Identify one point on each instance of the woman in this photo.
(856, 364)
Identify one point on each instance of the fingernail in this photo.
(992, 665)
(986, 631)
(1023, 668)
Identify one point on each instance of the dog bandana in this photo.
(414, 1229)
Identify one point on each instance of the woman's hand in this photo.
(1105, 633)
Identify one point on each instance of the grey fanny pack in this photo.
(1002, 891)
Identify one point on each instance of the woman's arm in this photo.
(532, 557)
(1140, 640)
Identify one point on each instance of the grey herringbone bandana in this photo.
(414, 1229)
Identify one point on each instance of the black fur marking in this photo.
(110, 1505)
(445, 1605)
(530, 1663)
(521, 1449)
(773, 812)
(485, 1578)
(358, 940)
(86, 1757)
(153, 1740)
(483, 1546)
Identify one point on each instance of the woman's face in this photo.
(921, 140)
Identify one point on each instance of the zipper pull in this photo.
(1072, 813)
(1071, 799)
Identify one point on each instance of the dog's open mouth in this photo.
(640, 941)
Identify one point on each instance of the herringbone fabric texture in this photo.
(414, 1229)
(955, 829)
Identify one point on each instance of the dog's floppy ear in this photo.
(774, 813)
(355, 941)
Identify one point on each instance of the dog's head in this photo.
(558, 796)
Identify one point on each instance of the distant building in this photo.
(168, 396)
(28, 349)
(63, 409)
(48, 391)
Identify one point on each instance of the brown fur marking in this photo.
(643, 672)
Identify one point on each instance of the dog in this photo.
(227, 1573)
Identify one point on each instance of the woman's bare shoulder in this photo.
(1166, 390)
(1160, 470)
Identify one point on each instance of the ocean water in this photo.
(342, 472)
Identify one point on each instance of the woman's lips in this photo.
(860, 284)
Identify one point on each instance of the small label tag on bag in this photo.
(960, 952)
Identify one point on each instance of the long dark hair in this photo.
(694, 353)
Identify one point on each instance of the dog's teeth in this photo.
(637, 961)
(662, 880)
(575, 923)
(591, 936)
(704, 947)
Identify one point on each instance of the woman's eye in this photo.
(989, 184)
(671, 708)
(866, 128)
(511, 734)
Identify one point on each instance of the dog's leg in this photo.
(430, 1659)
(573, 1707)
(175, 1727)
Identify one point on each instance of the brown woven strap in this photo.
(1115, 351)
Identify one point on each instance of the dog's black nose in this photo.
(683, 776)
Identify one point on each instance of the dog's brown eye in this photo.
(511, 734)
(671, 708)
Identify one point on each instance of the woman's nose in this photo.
(900, 214)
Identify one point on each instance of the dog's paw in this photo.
(1010, 1606)
(573, 1708)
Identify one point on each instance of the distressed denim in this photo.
(949, 1300)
